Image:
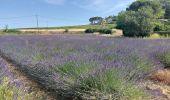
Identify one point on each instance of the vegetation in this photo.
(141, 18)
(110, 26)
(166, 7)
(9, 92)
(101, 31)
(86, 66)
(96, 20)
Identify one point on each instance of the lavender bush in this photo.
(84, 65)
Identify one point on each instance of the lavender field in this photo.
(87, 66)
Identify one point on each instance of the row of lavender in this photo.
(60, 62)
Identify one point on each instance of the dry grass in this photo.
(161, 76)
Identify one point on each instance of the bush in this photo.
(102, 31)
(159, 27)
(89, 31)
(136, 23)
(66, 30)
(105, 31)
(164, 59)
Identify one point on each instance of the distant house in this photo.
(163, 20)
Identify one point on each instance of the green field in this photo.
(110, 26)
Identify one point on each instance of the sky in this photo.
(22, 13)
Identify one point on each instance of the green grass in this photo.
(164, 58)
(110, 26)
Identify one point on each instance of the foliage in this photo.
(89, 30)
(136, 24)
(166, 7)
(105, 31)
(111, 19)
(102, 31)
(159, 27)
(153, 4)
(164, 58)
(140, 18)
(96, 20)
(121, 20)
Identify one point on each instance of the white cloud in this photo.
(55, 2)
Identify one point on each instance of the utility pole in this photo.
(36, 16)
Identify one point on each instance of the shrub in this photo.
(102, 31)
(159, 27)
(105, 31)
(66, 30)
(89, 30)
(164, 59)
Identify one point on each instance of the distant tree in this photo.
(110, 19)
(96, 20)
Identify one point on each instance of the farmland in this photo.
(87, 66)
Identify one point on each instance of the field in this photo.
(87, 66)
(110, 26)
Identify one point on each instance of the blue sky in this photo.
(21, 13)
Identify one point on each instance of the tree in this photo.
(96, 20)
(167, 11)
(140, 18)
(137, 23)
(111, 19)
(121, 20)
(154, 4)
(166, 6)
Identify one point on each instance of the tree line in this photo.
(99, 20)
